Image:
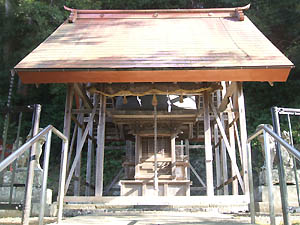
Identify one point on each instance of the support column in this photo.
(217, 157)
(78, 152)
(223, 147)
(90, 157)
(138, 153)
(100, 147)
(235, 190)
(243, 133)
(208, 147)
(173, 156)
(187, 152)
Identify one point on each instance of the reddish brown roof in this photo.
(92, 44)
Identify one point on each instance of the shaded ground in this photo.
(155, 218)
(33, 221)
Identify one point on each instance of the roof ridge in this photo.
(237, 12)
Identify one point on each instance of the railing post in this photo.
(62, 180)
(251, 189)
(269, 177)
(45, 176)
(282, 180)
(30, 173)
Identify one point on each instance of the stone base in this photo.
(289, 174)
(18, 195)
(21, 175)
(261, 195)
(50, 211)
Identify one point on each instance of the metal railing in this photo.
(266, 131)
(11, 158)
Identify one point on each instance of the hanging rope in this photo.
(155, 149)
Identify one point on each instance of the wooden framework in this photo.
(224, 134)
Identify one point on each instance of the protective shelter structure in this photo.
(160, 77)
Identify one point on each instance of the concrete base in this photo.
(262, 198)
(227, 204)
(50, 211)
(18, 194)
(289, 175)
(21, 175)
(146, 188)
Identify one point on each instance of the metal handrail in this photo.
(293, 151)
(11, 158)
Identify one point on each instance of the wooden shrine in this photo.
(129, 74)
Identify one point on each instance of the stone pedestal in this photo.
(261, 196)
(289, 174)
(18, 192)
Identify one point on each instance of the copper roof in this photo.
(92, 45)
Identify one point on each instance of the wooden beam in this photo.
(77, 157)
(208, 147)
(197, 175)
(77, 177)
(100, 147)
(173, 155)
(187, 152)
(217, 156)
(223, 158)
(82, 94)
(235, 190)
(228, 147)
(230, 180)
(229, 91)
(243, 132)
(89, 160)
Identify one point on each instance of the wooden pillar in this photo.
(78, 152)
(173, 155)
(90, 154)
(243, 133)
(187, 152)
(217, 157)
(235, 190)
(223, 147)
(138, 154)
(208, 147)
(100, 147)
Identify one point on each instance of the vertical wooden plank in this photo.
(78, 165)
(173, 155)
(100, 147)
(187, 152)
(223, 147)
(235, 190)
(89, 156)
(243, 133)
(208, 147)
(217, 157)
(68, 113)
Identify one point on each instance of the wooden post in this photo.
(223, 147)
(137, 154)
(78, 165)
(173, 156)
(90, 156)
(243, 133)
(100, 147)
(208, 147)
(187, 152)
(217, 157)
(235, 190)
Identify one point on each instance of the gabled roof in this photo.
(155, 46)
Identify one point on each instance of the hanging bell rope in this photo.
(181, 99)
(154, 100)
(125, 100)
